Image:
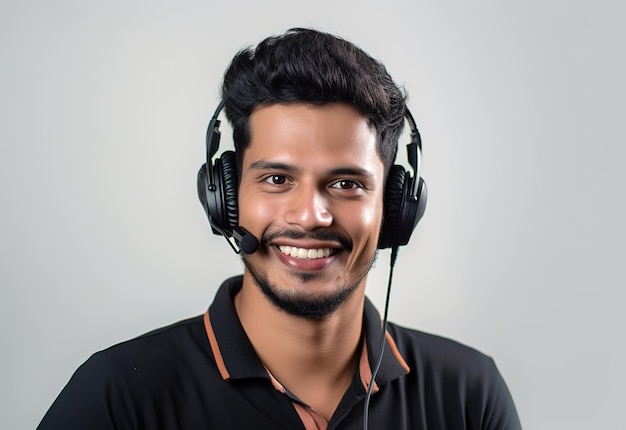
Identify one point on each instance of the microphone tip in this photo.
(249, 244)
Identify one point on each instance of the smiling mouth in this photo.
(306, 253)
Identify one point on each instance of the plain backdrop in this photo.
(103, 109)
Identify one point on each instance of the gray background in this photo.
(104, 105)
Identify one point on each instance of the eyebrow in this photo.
(274, 165)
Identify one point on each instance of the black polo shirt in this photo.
(203, 374)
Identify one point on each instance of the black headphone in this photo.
(404, 199)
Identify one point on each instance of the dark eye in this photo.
(346, 184)
(276, 180)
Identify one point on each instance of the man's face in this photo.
(312, 190)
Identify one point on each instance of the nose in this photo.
(308, 208)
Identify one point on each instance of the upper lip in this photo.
(307, 244)
(310, 240)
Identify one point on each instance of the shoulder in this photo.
(119, 386)
(439, 353)
(152, 353)
(178, 340)
(154, 360)
(167, 336)
(459, 376)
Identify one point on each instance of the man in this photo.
(293, 343)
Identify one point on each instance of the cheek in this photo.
(255, 214)
(363, 226)
(364, 223)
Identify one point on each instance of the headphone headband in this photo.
(213, 135)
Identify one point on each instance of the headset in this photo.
(404, 198)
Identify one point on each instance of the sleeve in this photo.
(501, 413)
(95, 398)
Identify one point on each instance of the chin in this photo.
(304, 301)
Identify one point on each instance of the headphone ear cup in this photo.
(393, 199)
(402, 210)
(230, 183)
(220, 201)
(202, 184)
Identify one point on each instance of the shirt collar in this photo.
(236, 359)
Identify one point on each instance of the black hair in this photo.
(305, 65)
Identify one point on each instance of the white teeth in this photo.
(305, 254)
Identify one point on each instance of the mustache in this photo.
(321, 235)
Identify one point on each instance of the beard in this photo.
(304, 304)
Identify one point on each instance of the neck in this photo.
(314, 359)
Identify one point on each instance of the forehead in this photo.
(332, 133)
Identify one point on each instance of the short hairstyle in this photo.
(304, 65)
